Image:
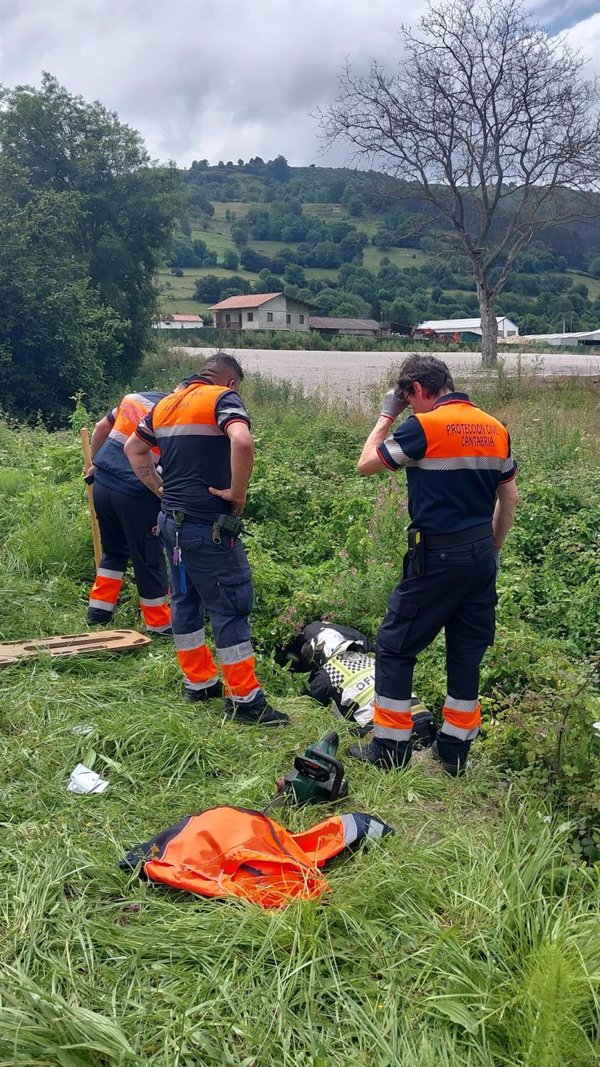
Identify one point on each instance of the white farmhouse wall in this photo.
(269, 316)
(163, 324)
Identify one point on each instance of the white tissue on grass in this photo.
(84, 780)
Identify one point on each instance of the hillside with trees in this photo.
(359, 243)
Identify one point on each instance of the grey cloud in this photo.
(558, 15)
(206, 78)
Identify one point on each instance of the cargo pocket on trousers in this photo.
(235, 593)
(153, 547)
(398, 622)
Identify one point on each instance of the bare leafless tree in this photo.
(491, 120)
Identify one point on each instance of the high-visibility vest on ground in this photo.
(235, 852)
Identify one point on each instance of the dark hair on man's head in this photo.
(221, 361)
(431, 372)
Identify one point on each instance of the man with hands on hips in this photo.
(207, 455)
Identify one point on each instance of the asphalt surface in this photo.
(353, 373)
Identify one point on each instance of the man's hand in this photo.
(392, 406)
(237, 500)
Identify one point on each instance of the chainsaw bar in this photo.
(71, 645)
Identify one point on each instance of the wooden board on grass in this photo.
(71, 645)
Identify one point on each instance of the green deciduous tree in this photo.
(56, 336)
(123, 207)
(494, 123)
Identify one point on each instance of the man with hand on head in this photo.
(461, 501)
(207, 455)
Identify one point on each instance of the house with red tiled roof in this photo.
(261, 311)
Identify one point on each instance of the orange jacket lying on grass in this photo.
(236, 852)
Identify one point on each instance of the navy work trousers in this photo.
(217, 581)
(126, 526)
(457, 593)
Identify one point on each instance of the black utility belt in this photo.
(420, 542)
(461, 537)
(230, 524)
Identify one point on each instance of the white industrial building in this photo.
(567, 340)
(463, 329)
(261, 311)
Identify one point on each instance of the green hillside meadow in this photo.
(469, 938)
(356, 243)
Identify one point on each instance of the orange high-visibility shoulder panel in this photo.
(194, 406)
(131, 411)
(460, 429)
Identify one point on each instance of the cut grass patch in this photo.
(402, 257)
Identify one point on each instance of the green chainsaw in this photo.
(317, 777)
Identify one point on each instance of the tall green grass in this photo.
(468, 938)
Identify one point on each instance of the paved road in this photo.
(343, 373)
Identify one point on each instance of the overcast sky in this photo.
(221, 78)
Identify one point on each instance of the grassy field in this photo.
(177, 297)
(593, 284)
(469, 938)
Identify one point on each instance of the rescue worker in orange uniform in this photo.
(127, 514)
(207, 455)
(461, 501)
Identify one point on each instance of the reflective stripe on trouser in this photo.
(156, 612)
(195, 659)
(237, 663)
(461, 718)
(392, 719)
(218, 580)
(457, 593)
(126, 523)
(105, 590)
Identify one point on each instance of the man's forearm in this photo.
(502, 522)
(142, 465)
(242, 463)
(369, 462)
(145, 470)
(99, 436)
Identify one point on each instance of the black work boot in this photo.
(157, 634)
(452, 753)
(98, 617)
(388, 757)
(200, 696)
(265, 716)
(424, 729)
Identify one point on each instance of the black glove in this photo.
(424, 730)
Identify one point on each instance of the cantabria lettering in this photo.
(473, 434)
